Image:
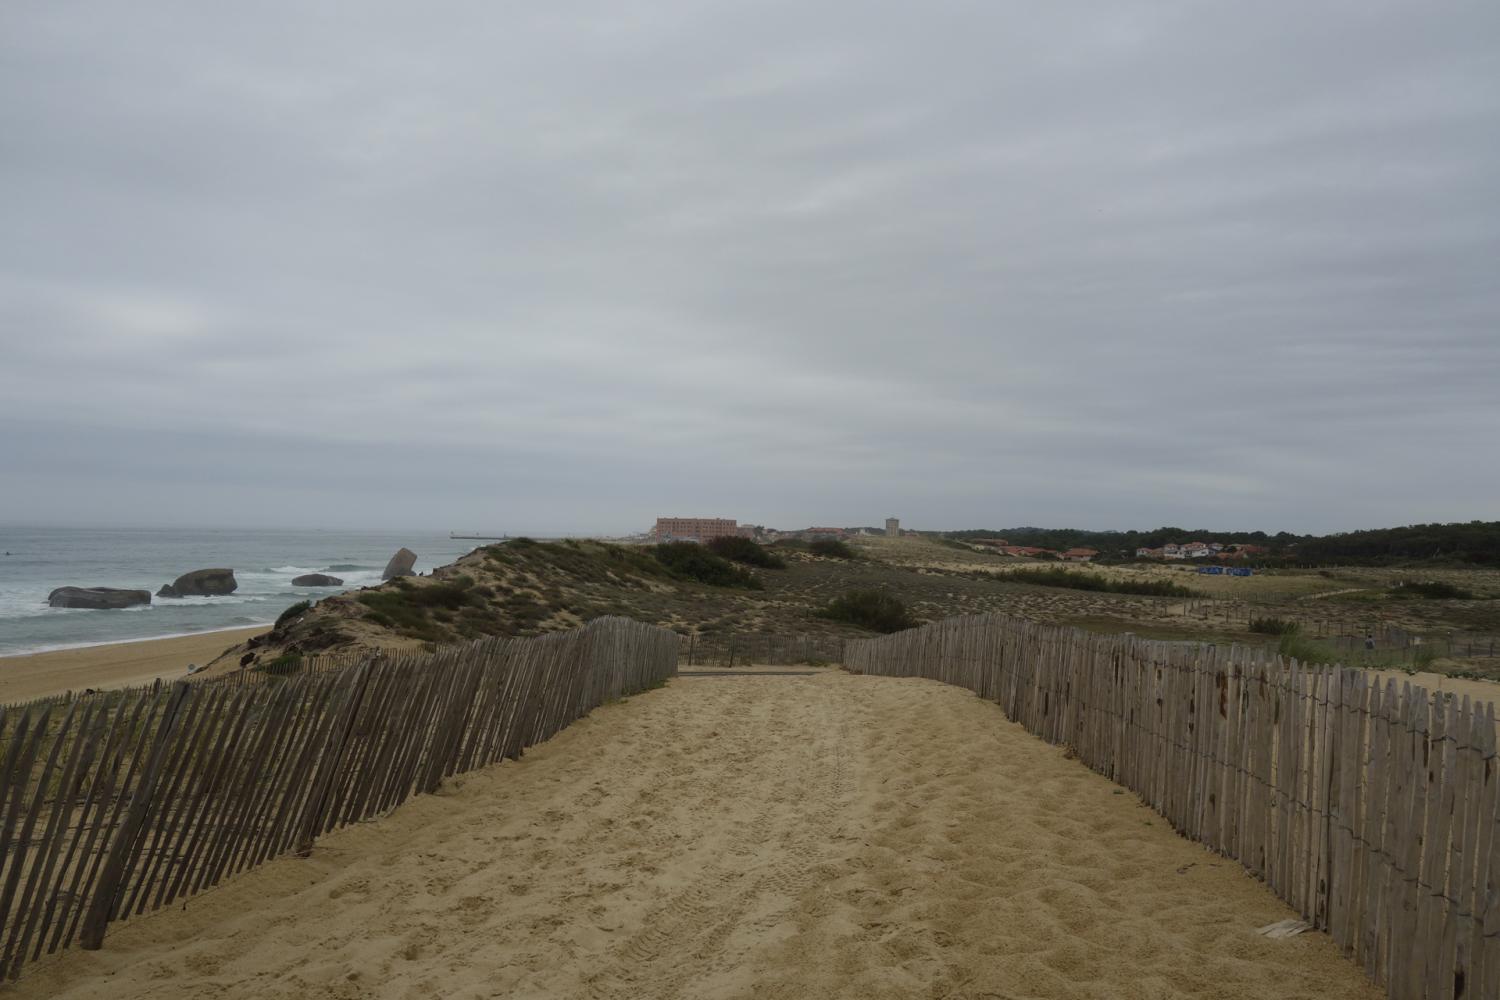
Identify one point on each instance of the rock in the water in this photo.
(97, 597)
(400, 565)
(201, 583)
(317, 580)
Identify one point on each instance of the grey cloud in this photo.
(1104, 264)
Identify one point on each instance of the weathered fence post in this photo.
(91, 934)
(333, 756)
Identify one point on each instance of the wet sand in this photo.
(795, 837)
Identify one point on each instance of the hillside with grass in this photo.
(870, 585)
(1463, 543)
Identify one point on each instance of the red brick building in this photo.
(693, 529)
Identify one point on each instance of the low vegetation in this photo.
(281, 666)
(291, 612)
(1459, 543)
(526, 587)
(1100, 584)
(746, 551)
(831, 548)
(420, 611)
(877, 610)
(1432, 590)
(691, 561)
(1273, 626)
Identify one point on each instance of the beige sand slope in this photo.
(121, 664)
(785, 837)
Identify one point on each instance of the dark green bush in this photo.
(876, 610)
(450, 594)
(831, 548)
(291, 612)
(1432, 590)
(1273, 626)
(1101, 584)
(691, 561)
(405, 607)
(745, 550)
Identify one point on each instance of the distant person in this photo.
(1369, 642)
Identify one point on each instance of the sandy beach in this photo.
(121, 664)
(797, 837)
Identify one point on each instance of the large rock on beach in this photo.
(105, 598)
(201, 583)
(317, 580)
(400, 565)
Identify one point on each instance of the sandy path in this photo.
(780, 836)
(1478, 690)
(119, 664)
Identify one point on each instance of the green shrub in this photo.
(691, 561)
(1432, 590)
(1273, 626)
(876, 610)
(405, 606)
(831, 548)
(1098, 583)
(291, 612)
(451, 594)
(286, 663)
(745, 550)
(1305, 650)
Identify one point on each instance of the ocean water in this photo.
(36, 560)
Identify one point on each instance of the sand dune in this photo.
(779, 836)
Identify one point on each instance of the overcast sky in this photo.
(564, 267)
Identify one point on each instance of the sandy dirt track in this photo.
(777, 836)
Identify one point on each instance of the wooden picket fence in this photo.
(1371, 809)
(118, 803)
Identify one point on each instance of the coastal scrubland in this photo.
(526, 587)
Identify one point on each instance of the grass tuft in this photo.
(1098, 583)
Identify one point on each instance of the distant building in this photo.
(893, 527)
(693, 529)
(824, 534)
(1028, 551)
(1080, 555)
(1196, 550)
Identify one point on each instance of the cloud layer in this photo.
(565, 269)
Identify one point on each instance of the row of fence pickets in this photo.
(1370, 809)
(113, 805)
(772, 648)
